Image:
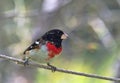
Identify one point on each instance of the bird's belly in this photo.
(39, 55)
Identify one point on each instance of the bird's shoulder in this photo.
(35, 45)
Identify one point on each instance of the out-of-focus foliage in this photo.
(92, 47)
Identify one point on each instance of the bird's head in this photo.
(55, 36)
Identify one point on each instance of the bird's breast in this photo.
(53, 50)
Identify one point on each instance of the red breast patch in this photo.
(53, 50)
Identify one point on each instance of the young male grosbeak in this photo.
(46, 47)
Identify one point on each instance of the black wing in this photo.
(35, 45)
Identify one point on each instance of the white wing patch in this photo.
(36, 42)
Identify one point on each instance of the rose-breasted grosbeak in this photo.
(46, 47)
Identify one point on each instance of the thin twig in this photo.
(32, 64)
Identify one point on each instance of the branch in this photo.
(32, 64)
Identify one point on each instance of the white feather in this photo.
(39, 55)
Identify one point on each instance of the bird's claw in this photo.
(53, 68)
(26, 61)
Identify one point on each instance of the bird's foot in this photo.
(26, 61)
(53, 68)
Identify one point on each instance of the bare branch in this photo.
(32, 64)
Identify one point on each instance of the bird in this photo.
(44, 49)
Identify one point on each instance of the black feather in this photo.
(53, 36)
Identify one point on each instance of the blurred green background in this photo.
(92, 47)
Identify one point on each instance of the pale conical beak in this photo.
(64, 36)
